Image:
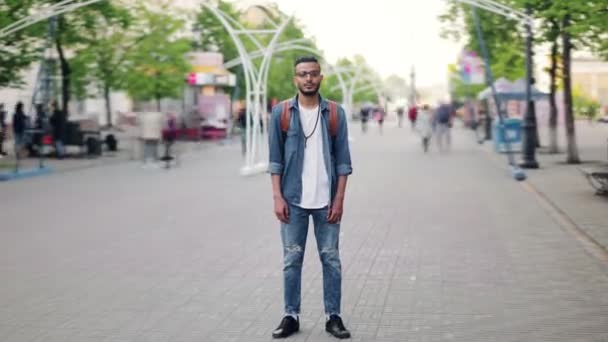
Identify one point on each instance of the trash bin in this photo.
(507, 132)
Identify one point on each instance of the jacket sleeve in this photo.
(341, 148)
(276, 143)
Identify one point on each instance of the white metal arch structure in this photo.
(357, 75)
(292, 45)
(372, 86)
(254, 79)
(288, 46)
(500, 9)
(45, 13)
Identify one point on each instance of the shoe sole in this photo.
(286, 336)
(339, 337)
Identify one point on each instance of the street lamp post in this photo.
(413, 87)
(529, 125)
(518, 174)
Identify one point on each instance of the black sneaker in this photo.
(288, 326)
(335, 327)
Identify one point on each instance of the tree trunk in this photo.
(65, 69)
(553, 144)
(572, 156)
(106, 96)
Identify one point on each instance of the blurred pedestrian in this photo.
(20, 123)
(3, 127)
(424, 126)
(242, 123)
(443, 124)
(151, 133)
(169, 138)
(412, 114)
(400, 112)
(365, 113)
(58, 124)
(379, 115)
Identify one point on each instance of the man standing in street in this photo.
(309, 166)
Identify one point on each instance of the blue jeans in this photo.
(293, 236)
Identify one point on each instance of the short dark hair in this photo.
(306, 59)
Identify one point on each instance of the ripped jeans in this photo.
(293, 236)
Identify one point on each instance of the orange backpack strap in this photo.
(285, 116)
(333, 118)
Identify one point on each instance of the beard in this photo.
(313, 92)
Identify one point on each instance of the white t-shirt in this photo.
(315, 182)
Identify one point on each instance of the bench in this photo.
(598, 178)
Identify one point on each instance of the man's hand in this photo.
(281, 210)
(334, 215)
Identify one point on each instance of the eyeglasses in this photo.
(304, 74)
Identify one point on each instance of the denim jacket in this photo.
(287, 150)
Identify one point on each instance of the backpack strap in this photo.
(333, 118)
(285, 116)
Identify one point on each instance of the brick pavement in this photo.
(434, 248)
(574, 195)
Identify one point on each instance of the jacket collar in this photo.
(294, 103)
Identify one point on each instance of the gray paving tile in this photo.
(434, 248)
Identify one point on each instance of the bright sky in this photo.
(391, 34)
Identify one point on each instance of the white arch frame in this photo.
(501, 9)
(256, 79)
(291, 45)
(45, 13)
(255, 83)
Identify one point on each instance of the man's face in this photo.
(308, 78)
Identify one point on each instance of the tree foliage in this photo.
(18, 50)
(156, 69)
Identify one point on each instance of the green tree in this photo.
(552, 35)
(215, 37)
(366, 80)
(567, 25)
(73, 33)
(580, 25)
(503, 38)
(157, 67)
(396, 87)
(102, 62)
(18, 50)
(280, 77)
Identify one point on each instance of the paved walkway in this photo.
(130, 149)
(434, 248)
(566, 187)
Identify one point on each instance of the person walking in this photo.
(365, 113)
(379, 115)
(424, 126)
(400, 112)
(309, 163)
(58, 122)
(412, 114)
(3, 132)
(443, 124)
(20, 123)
